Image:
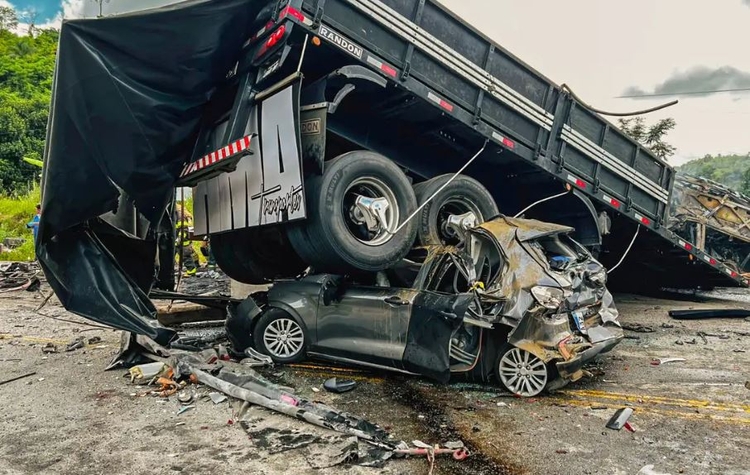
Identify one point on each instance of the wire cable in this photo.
(626, 251)
(540, 202)
(567, 89)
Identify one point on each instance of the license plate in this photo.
(580, 324)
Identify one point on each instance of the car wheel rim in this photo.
(283, 338)
(455, 207)
(522, 373)
(372, 229)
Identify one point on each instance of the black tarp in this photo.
(128, 97)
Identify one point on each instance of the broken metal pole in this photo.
(281, 407)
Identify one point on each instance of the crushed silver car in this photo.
(516, 300)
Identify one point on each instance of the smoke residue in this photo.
(698, 81)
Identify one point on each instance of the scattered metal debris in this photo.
(49, 348)
(217, 398)
(637, 327)
(335, 385)
(620, 419)
(76, 344)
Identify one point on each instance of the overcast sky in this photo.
(609, 48)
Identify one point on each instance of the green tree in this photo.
(8, 19)
(26, 73)
(745, 187)
(651, 137)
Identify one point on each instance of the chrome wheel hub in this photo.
(522, 373)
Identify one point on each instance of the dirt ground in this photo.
(691, 417)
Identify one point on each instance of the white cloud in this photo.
(73, 8)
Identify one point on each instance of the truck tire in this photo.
(335, 237)
(256, 255)
(462, 195)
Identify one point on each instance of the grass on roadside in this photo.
(15, 212)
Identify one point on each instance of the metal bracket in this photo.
(406, 71)
(560, 163)
(318, 18)
(628, 204)
(538, 152)
(597, 185)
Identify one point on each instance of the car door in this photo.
(366, 324)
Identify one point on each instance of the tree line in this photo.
(27, 64)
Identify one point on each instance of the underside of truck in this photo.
(329, 136)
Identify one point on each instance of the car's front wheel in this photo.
(280, 336)
(521, 372)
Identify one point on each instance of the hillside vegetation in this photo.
(730, 170)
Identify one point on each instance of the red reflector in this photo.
(275, 37)
(446, 105)
(580, 183)
(688, 247)
(292, 12)
(712, 261)
(646, 221)
(509, 143)
(388, 70)
(734, 274)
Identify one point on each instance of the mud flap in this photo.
(434, 320)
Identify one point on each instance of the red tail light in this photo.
(275, 37)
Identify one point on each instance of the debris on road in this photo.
(620, 419)
(709, 313)
(185, 397)
(339, 386)
(76, 344)
(146, 371)
(185, 409)
(17, 378)
(217, 398)
(49, 348)
(661, 361)
(649, 470)
(637, 327)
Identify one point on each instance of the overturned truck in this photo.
(331, 137)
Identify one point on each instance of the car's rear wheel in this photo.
(353, 210)
(461, 196)
(521, 372)
(256, 255)
(278, 335)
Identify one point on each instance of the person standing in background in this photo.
(34, 223)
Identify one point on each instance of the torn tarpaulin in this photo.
(128, 94)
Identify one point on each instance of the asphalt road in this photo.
(691, 417)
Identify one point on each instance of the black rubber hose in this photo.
(567, 89)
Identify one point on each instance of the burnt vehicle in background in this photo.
(516, 300)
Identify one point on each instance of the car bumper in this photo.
(571, 368)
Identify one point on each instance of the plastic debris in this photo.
(185, 409)
(217, 398)
(620, 419)
(661, 361)
(147, 371)
(339, 385)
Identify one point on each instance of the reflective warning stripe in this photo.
(576, 181)
(214, 157)
(440, 101)
(615, 203)
(642, 219)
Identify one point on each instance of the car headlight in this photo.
(548, 297)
